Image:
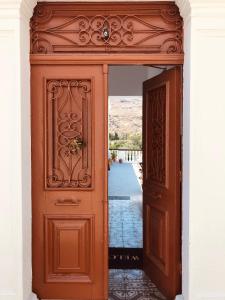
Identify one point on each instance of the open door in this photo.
(161, 180)
(69, 181)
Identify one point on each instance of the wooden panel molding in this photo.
(68, 130)
(156, 243)
(161, 180)
(106, 27)
(110, 58)
(68, 248)
(69, 182)
(156, 141)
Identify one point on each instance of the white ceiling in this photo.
(128, 80)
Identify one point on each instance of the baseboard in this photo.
(13, 296)
(8, 296)
(33, 296)
(179, 297)
(212, 298)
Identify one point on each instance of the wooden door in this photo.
(161, 180)
(69, 181)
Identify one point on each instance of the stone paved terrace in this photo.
(125, 216)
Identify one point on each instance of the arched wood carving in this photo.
(143, 28)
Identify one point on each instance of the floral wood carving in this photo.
(157, 115)
(154, 29)
(68, 123)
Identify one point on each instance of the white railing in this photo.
(127, 155)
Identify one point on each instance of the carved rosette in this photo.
(157, 31)
(68, 123)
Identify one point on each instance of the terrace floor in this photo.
(125, 206)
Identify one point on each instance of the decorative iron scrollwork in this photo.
(69, 133)
(157, 30)
(157, 115)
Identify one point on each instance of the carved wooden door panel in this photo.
(161, 180)
(68, 181)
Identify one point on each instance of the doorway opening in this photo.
(138, 236)
(72, 45)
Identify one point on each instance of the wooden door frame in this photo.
(108, 60)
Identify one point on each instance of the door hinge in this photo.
(180, 175)
(181, 107)
(181, 128)
(180, 268)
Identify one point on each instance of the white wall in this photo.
(204, 153)
(203, 230)
(127, 80)
(9, 252)
(15, 177)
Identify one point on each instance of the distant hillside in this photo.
(125, 115)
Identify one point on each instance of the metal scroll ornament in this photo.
(157, 114)
(156, 31)
(69, 134)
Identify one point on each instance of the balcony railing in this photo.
(127, 155)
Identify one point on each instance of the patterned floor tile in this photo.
(132, 285)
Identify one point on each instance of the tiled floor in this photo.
(132, 285)
(125, 230)
(125, 216)
(123, 180)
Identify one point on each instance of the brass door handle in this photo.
(68, 202)
(79, 143)
(75, 144)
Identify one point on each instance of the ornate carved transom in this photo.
(157, 117)
(68, 130)
(152, 28)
